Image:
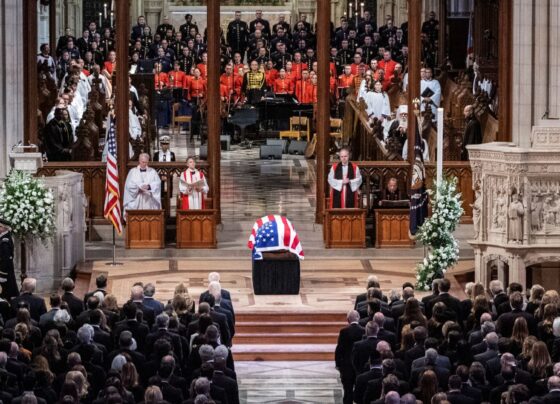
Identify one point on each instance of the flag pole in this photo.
(114, 247)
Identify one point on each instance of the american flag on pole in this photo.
(112, 208)
(274, 233)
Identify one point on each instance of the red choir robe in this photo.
(161, 80)
(283, 86)
(176, 79)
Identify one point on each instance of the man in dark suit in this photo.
(430, 364)
(372, 282)
(215, 277)
(75, 305)
(505, 307)
(362, 350)
(466, 388)
(508, 374)
(427, 299)
(491, 349)
(397, 307)
(454, 394)
(170, 393)
(553, 395)
(28, 396)
(100, 336)
(100, 284)
(46, 321)
(37, 306)
(229, 385)
(476, 336)
(220, 306)
(137, 297)
(504, 324)
(418, 350)
(498, 295)
(441, 360)
(343, 353)
(452, 303)
(127, 346)
(162, 324)
(496, 365)
(219, 319)
(383, 333)
(149, 292)
(130, 323)
(375, 372)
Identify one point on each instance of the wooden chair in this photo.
(299, 127)
(336, 132)
(177, 120)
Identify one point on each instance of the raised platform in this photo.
(300, 327)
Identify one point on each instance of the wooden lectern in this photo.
(392, 228)
(345, 228)
(145, 229)
(196, 228)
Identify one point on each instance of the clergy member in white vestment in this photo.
(377, 102)
(434, 86)
(193, 187)
(142, 187)
(345, 180)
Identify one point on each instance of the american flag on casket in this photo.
(274, 233)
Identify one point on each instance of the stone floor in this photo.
(288, 382)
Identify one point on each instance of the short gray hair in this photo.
(206, 353)
(221, 351)
(85, 334)
(487, 327)
(3, 359)
(162, 320)
(431, 356)
(556, 327)
(149, 289)
(202, 385)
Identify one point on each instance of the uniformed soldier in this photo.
(178, 44)
(186, 27)
(369, 51)
(7, 274)
(186, 61)
(253, 84)
(265, 23)
(107, 44)
(345, 54)
(431, 27)
(164, 26)
(238, 35)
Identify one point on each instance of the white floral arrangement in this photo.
(437, 234)
(28, 206)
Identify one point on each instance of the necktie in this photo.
(164, 157)
(143, 170)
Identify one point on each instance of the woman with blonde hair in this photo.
(525, 356)
(153, 395)
(545, 329)
(129, 377)
(81, 382)
(181, 308)
(407, 341)
(550, 296)
(535, 298)
(110, 309)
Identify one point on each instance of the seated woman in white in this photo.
(193, 187)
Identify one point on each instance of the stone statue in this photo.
(536, 213)
(498, 212)
(477, 213)
(66, 200)
(515, 216)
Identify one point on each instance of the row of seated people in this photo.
(493, 346)
(95, 350)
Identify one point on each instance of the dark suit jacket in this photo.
(103, 337)
(441, 360)
(173, 339)
(152, 303)
(457, 397)
(388, 336)
(496, 392)
(148, 314)
(138, 359)
(75, 305)
(361, 352)
(504, 324)
(89, 294)
(486, 356)
(343, 352)
(472, 392)
(479, 348)
(228, 384)
(37, 305)
(451, 302)
(221, 320)
(229, 317)
(17, 400)
(171, 393)
(139, 332)
(417, 351)
(499, 299)
(225, 295)
(553, 397)
(374, 387)
(441, 372)
(362, 383)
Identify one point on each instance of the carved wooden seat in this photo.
(178, 120)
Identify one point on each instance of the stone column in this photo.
(414, 45)
(213, 101)
(517, 270)
(30, 12)
(11, 91)
(323, 107)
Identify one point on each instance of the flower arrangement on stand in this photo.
(29, 208)
(437, 234)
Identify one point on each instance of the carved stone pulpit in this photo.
(516, 213)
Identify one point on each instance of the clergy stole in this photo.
(195, 199)
(344, 198)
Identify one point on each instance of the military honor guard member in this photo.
(253, 84)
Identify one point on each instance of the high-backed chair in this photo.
(299, 127)
(177, 120)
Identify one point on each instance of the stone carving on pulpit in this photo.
(536, 209)
(516, 212)
(477, 212)
(499, 199)
(66, 202)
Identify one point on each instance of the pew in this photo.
(145, 229)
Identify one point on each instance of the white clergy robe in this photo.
(377, 104)
(433, 85)
(190, 198)
(134, 127)
(137, 198)
(337, 184)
